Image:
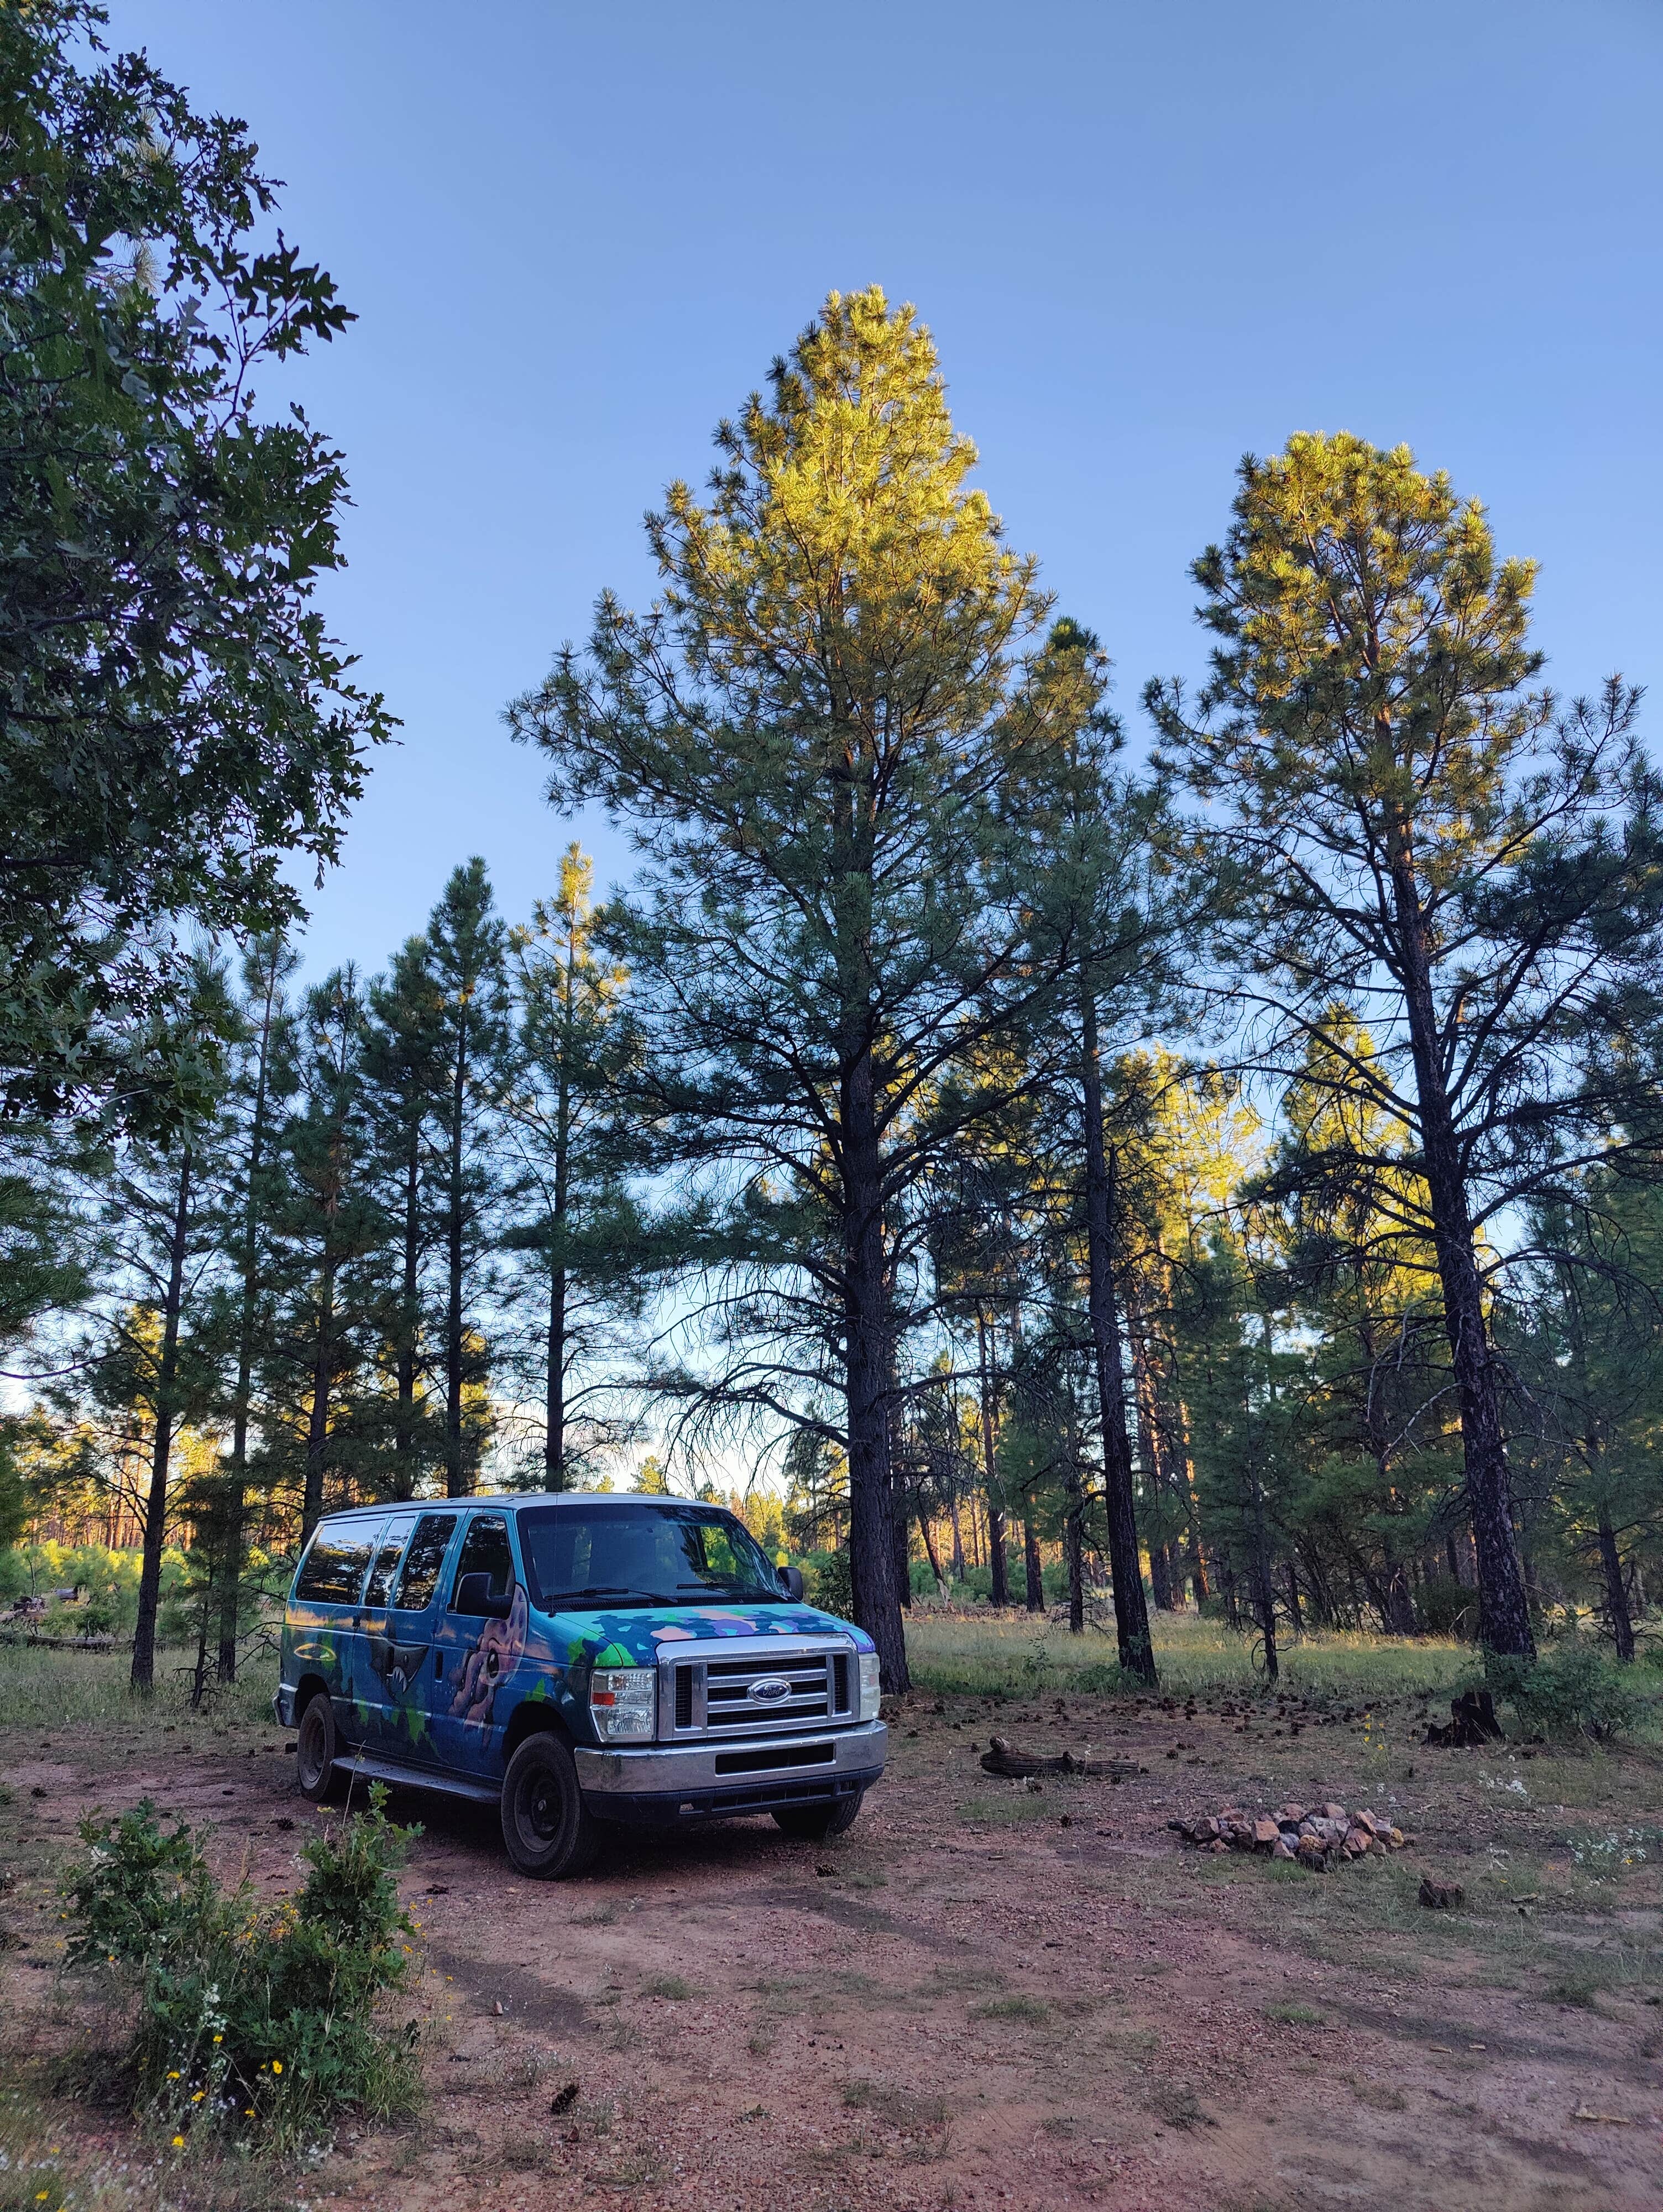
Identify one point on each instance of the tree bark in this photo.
(1150, 1442)
(1030, 1554)
(1074, 1546)
(403, 1440)
(155, 1508)
(1000, 1593)
(231, 1558)
(1617, 1596)
(930, 1553)
(866, 1330)
(554, 1439)
(1131, 1612)
(323, 1376)
(456, 1472)
(1503, 1613)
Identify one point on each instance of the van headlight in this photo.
(623, 1701)
(870, 1694)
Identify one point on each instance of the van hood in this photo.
(636, 1638)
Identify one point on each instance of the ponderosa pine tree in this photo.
(575, 1218)
(466, 966)
(1098, 919)
(244, 1196)
(162, 1234)
(1406, 830)
(402, 1075)
(330, 1229)
(818, 737)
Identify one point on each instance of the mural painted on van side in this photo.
(489, 1665)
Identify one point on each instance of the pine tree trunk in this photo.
(1131, 1612)
(406, 1470)
(1617, 1596)
(1074, 1547)
(1150, 1451)
(1159, 1580)
(866, 1327)
(1504, 1615)
(231, 1558)
(958, 1546)
(317, 1429)
(456, 1472)
(1000, 1593)
(155, 1508)
(930, 1553)
(553, 1438)
(1030, 1554)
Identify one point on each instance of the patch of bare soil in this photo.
(986, 1995)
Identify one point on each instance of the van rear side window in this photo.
(423, 1560)
(334, 1569)
(379, 1591)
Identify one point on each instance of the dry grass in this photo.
(1015, 1656)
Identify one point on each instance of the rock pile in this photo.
(1318, 1837)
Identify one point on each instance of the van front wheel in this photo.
(549, 1832)
(812, 1824)
(317, 1749)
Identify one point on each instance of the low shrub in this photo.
(1572, 1689)
(250, 2020)
(1448, 1607)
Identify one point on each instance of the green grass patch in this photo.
(51, 1690)
(958, 1655)
(1294, 2015)
(1017, 2006)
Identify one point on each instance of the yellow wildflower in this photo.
(179, 2142)
(277, 2065)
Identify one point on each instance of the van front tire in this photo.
(548, 1832)
(317, 1750)
(812, 1824)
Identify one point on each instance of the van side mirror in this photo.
(474, 1595)
(791, 1581)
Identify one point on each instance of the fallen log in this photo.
(1003, 1758)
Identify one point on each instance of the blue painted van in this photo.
(577, 1660)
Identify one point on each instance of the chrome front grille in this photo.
(747, 1688)
(733, 1703)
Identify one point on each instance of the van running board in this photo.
(417, 1777)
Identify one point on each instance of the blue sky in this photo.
(1147, 238)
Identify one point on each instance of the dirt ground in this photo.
(982, 1997)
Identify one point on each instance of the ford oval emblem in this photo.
(769, 1690)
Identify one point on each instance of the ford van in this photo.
(577, 1660)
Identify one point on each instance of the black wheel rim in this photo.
(540, 1808)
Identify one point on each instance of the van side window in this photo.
(378, 1589)
(423, 1560)
(485, 1552)
(334, 1569)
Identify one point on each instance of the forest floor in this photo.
(983, 1997)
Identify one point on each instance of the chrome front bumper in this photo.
(850, 1754)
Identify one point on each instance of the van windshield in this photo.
(613, 1556)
